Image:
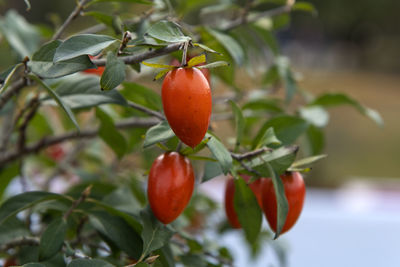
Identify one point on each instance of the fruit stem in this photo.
(184, 55)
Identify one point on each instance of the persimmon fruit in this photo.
(170, 186)
(186, 98)
(206, 72)
(295, 191)
(97, 71)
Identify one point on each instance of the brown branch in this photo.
(74, 14)
(251, 154)
(146, 110)
(90, 133)
(146, 55)
(268, 13)
(24, 241)
(76, 203)
(12, 90)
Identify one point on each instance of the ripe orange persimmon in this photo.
(186, 98)
(295, 191)
(230, 212)
(170, 186)
(98, 71)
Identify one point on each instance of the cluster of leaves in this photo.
(103, 219)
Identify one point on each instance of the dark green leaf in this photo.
(84, 44)
(7, 173)
(24, 201)
(118, 231)
(142, 95)
(230, 44)
(287, 129)
(110, 135)
(166, 258)
(56, 98)
(155, 234)
(114, 73)
(167, 31)
(22, 36)
(247, 210)
(220, 153)
(211, 170)
(304, 6)
(271, 105)
(42, 62)
(268, 138)
(101, 17)
(336, 99)
(239, 123)
(193, 260)
(89, 263)
(12, 229)
(315, 138)
(52, 239)
(83, 91)
(281, 201)
(158, 133)
(307, 161)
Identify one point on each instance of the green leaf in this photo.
(5, 76)
(89, 263)
(281, 201)
(268, 38)
(42, 62)
(7, 173)
(101, 17)
(83, 91)
(206, 48)
(12, 229)
(189, 151)
(316, 115)
(167, 31)
(239, 123)
(272, 75)
(118, 231)
(287, 77)
(24, 201)
(305, 6)
(56, 98)
(287, 129)
(268, 138)
(33, 264)
(142, 95)
(52, 239)
(22, 36)
(158, 133)
(211, 170)
(212, 65)
(230, 44)
(336, 99)
(280, 159)
(197, 60)
(84, 44)
(110, 135)
(247, 210)
(193, 260)
(315, 138)
(114, 73)
(220, 153)
(154, 234)
(307, 161)
(271, 105)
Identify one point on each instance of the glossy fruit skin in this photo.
(170, 186)
(295, 192)
(186, 98)
(230, 212)
(98, 71)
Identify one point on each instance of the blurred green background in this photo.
(349, 46)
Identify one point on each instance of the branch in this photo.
(251, 154)
(146, 55)
(90, 133)
(146, 110)
(76, 203)
(24, 241)
(12, 90)
(71, 17)
(268, 13)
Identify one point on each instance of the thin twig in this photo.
(71, 17)
(91, 133)
(76, 203)
(14, 89)
(24, 241)
(146, 110)
(251, 154)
